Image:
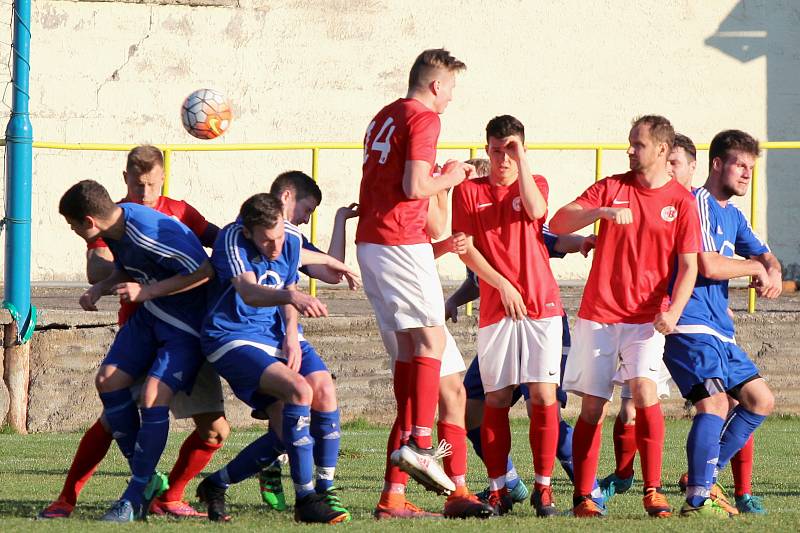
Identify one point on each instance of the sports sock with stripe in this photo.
(260, 453)
(149, 446)
(122, 416)
(299, 446)
(702, 451)
(327, 438)
(740, 425)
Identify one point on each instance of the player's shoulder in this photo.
(171, 206)
(626, 178)
(294, 238)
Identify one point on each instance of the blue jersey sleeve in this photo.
(748, 244)
(292, 246)
(708, 222)
(230, 257)
(178, 248)
(308, 246)
(550, 240)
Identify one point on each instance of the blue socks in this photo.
(327, 437)
(258, 454)
(299, 446)
(474, 436)
(122, 416)
(702, 452)
(150, 443)
(740, 425)
(564, 450)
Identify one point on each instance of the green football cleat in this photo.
(611, 485)
(158, 485)
(747, 503)
(709, 509)
(519, 493)
(335, 503)
(269, 482)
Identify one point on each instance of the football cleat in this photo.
(157, 486)
(179, 509)
(500, 501)
(709, 509)
(586, 507)
(57, 509)
(463, 504)
(423, 465)
(121, 511)
(214, 497)
(747, 503)
(406, 510)
(611, 485)
(655, 503)
(519, 493)
(315, 508)
(332, 497)
(269, 483)
(542, 501)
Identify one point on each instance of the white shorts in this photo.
(603, 355)
(206, 396)
(511, 352)
(402, 285)
(452, 360)
(663, 385)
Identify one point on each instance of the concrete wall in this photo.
(318, 71)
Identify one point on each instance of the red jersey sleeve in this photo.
(423, 135)
(99, 243)
(192, 218)
(688, 234)
(594, 196)
(462, 214)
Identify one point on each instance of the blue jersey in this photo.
(156, 247)
(228, 316)
(307, 245)
(723, 230)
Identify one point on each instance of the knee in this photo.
(593, 412)
(627, 412)
(213, 431)
(324, 394)
(542, 394)
(301, 392)
(452, 396)
(763, 404)
(105, 381)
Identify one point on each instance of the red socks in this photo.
(624, 448)
(742, 468)
(543, 436)
(402, 424)
(650, 442)
(424, 398)
(195, 454)
(91, 450)
(495, 440)
(585, 455)
(455, 465)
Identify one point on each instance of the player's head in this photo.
(434, 76)
(84, 205)
(482, 166)
(650, 142)
(144, 175)
(262, 221)
(731, 158)
(682, 160)
(500, 131)
(299, 194)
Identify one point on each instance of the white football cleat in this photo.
(423, 465)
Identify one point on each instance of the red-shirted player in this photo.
(399, 273)
(648, 225)
(144, 177)
(520, 328)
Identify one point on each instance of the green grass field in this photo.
(32, 469)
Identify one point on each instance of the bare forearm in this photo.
(684, 284)
(569, 244)
(181, 282)
(573, 217)
(478, 264)
(717, 267)
(532, 198)
(338, 244)
(465, 293)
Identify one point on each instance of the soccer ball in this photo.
(206, 114)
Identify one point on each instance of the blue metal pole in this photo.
(19, 145)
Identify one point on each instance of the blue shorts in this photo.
(694, 358)
(243, 364)
(146, 345)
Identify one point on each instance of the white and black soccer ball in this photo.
(206, 114)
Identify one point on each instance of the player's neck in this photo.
(501, 181)
(113, 227)
(426, 98)
(717, 192)
(653, 178)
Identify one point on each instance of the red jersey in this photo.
(511, 242)
(177, 209)
(634, 263)
(404, 130)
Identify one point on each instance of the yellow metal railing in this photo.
(473, 148)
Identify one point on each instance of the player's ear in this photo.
(486, 148)
(125, 176)
(716, 164)
(246, 232)
(436, 86)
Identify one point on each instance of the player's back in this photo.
(404, 130)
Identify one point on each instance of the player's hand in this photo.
(515, 149)
(450, 311)
(730, 313)
(456, 169)
(131, 292)
(512, 300)
(767, 284)
(348, 212)
(665, 322)
(617, 215)
(292, 352)
(307, 305)
(345, 272)
(89, 298)
(588, 245)
(458, 243)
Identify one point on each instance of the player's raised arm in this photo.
(328, 269)
(533, 200)
(418, 183)
(338, 243)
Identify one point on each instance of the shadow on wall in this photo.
(770, 28)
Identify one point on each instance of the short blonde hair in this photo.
(429, 60)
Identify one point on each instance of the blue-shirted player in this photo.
(252, 323)
(702, 354)
(557, 247)
(159, 262)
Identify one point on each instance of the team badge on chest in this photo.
(669, 213)
(516, 204)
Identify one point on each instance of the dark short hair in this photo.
(505, 126)
(727, 141)
(262, 209)
(436, 58)
(661, 129)
(86, 198)
(682, 141)
(481, 164)
(143, 159)
(300, 183)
